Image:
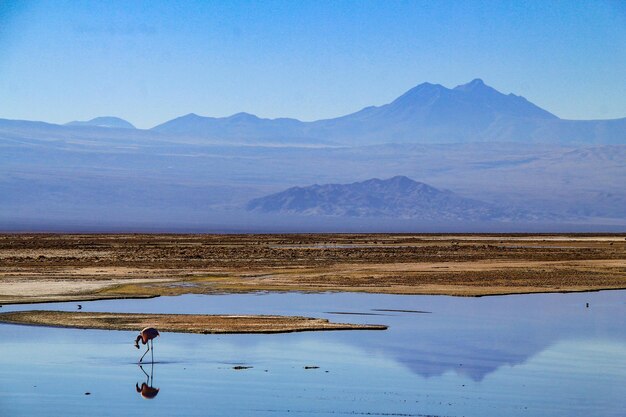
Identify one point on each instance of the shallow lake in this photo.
(521, 355)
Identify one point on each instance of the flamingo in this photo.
(146, 335)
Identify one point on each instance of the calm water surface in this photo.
(530, 355)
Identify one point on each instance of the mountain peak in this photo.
(419, 93)
(423, 87)
(243, 116)
(401, 179)
(105, 121)
(475, 85)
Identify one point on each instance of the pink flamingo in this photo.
(146, 335)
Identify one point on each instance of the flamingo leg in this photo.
(152, 341)
(148, 346)
(144, 372)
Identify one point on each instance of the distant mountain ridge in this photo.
(244, 127)
(398, 197)
(106, 121)
(428, 113)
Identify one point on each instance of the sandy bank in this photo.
(180, 323)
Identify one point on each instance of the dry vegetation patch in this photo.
(180, 323)
(50, 267)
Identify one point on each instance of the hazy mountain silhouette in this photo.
(428, 113)
(107, 121)
(431, 112)
(500, 149)
(397, 197)
(242, 127)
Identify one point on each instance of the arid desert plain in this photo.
(313, 324)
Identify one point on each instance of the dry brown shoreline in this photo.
(179, 323)
(52, 267)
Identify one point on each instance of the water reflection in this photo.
(147, 389)
(508, 356)
(472, 337)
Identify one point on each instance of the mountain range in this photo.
(426, 114)
(508, 162)
(399, 197)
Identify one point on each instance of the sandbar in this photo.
(180, 323)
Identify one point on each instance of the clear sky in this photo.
(151, 61)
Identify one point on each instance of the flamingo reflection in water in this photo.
(147, 389)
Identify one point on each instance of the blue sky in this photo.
(152, 61)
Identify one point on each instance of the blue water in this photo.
(527, 355)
